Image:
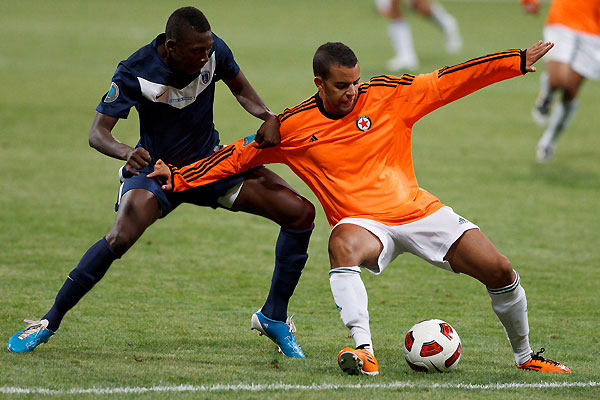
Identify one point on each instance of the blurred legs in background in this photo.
(401, 35)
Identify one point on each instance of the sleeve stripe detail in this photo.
(289, 111)
(386, 81)
(392, 79)
(365, 88)
(386, 84)
(184, 170)
(477, 61)
(305, 102)
(202, 168)
(208, 167)
(506, 52)
(309, 106)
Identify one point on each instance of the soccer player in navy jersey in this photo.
(171, 83)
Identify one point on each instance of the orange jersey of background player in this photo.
(579, 15)
(360, 165)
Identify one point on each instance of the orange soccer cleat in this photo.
(539, 363)
(357, 361)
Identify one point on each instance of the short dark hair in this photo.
(185, 19)
(332, 53)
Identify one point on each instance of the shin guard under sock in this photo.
(290, 258)
(91, 268)
(351, 299)
(510, 305)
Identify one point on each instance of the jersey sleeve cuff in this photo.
(523, 61)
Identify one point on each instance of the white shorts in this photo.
(580, 50)
(429, 238)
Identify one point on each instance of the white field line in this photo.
(282, 386)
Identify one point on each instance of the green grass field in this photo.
(175, 310)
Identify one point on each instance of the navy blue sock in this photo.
(290, 258)
(91, 268)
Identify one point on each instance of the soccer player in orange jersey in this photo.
(351, 144)
(574, 26)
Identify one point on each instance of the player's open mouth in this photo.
(347, 103)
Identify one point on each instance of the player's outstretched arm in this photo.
(535, 52)
(162, 173)
(230, 160)
(430, 91)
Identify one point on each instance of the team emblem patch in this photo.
(248, 140)
(363, 123)
(205, 77)
(112, 94)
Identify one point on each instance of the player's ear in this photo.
(170, 44)
(318, 82)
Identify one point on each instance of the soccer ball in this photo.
(432, 345)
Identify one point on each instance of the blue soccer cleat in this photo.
(282, 333)
(25, 340)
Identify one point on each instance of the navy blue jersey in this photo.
(175, 109)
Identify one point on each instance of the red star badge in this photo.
(363, 123)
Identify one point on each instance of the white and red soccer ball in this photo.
(432, 345)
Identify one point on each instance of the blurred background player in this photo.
(171, 83)
(401, 34)
(574, 28)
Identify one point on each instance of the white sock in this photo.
(561, 115)
(449, 26)
(545, 95)
(510, 305)
(351, 299)
(402, 41)
(440, 17)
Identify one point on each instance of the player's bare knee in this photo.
(502, 274)
(305, 215)
(298, 213)
(344, 251)
(120, 241)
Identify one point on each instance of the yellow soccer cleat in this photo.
(539, 363)
(357, 361)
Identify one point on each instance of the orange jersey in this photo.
(360, 165)
(579, 15)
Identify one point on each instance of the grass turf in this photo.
(175, 309)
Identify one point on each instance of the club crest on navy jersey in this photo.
(205, 77)
(363, 123)
(112, 94)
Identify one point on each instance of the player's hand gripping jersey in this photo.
(360, 165)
